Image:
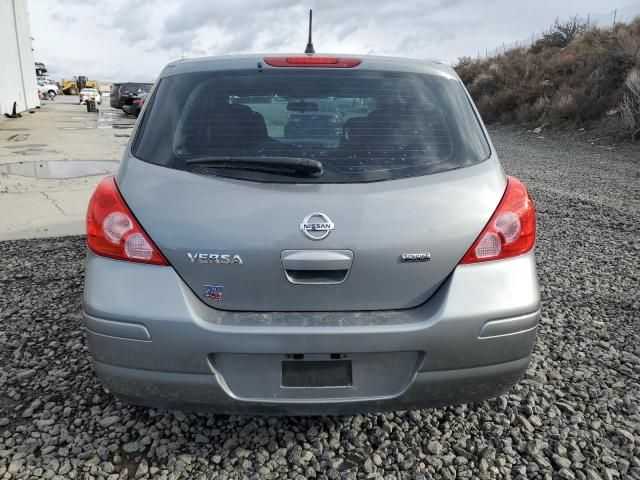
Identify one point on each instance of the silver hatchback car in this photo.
(376, 258)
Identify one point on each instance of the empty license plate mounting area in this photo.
(316, 373)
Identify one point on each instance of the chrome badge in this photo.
(415, 257)
(214, 258)
(317, 226)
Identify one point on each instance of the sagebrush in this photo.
(575, 75)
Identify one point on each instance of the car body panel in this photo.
(446, 334)
(440, 214)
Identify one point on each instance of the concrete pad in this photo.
(27, 212)
(60, 130)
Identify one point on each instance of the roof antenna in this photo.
(310, 48)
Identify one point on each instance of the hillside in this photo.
(575, 76)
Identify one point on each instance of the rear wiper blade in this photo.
(280, 165)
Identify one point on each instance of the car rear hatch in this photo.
(383, 226)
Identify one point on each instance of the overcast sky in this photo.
(121, 40)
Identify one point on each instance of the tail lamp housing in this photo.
(113, 231)
(511, 230)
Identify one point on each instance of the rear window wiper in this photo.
(279, 165)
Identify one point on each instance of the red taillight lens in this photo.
(138, 101)
(511, 230)
(113, 231)
(313, 61)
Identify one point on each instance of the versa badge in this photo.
(214, 258)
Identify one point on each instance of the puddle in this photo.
(60, 168)
(34, 151)
(18, 137)
(102, 121)
(26, 145)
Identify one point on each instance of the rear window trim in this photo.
(143, 121)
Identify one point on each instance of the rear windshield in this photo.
(361, 125)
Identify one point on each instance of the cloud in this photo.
(131, 18)
(365, 25)
(134, 39)
(64, 19)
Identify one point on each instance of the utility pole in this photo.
(615, 13)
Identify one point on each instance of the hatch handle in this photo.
(315, 267)
(317, 259)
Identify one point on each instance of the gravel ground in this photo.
(576, 414)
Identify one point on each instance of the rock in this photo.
(533, 447)
(592, 475)
(106, 422)
(24, 375)
(566, 474)
(434, 447)
(561, 462)
(525, 423)
(535, 421)
(15, 467)
(538, 130)
(143, 469)
(627, 436)
(368, 465)
(131, 447)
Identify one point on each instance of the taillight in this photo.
(113, 231)
(313, 61)
(511, 230)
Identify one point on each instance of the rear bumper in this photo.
(155, 343)
(201, 392)
(131, 110)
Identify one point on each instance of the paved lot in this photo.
(60, 130)
(576, 414)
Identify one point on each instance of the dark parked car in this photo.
(133, 105)
(314, 124)
(124, 91)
